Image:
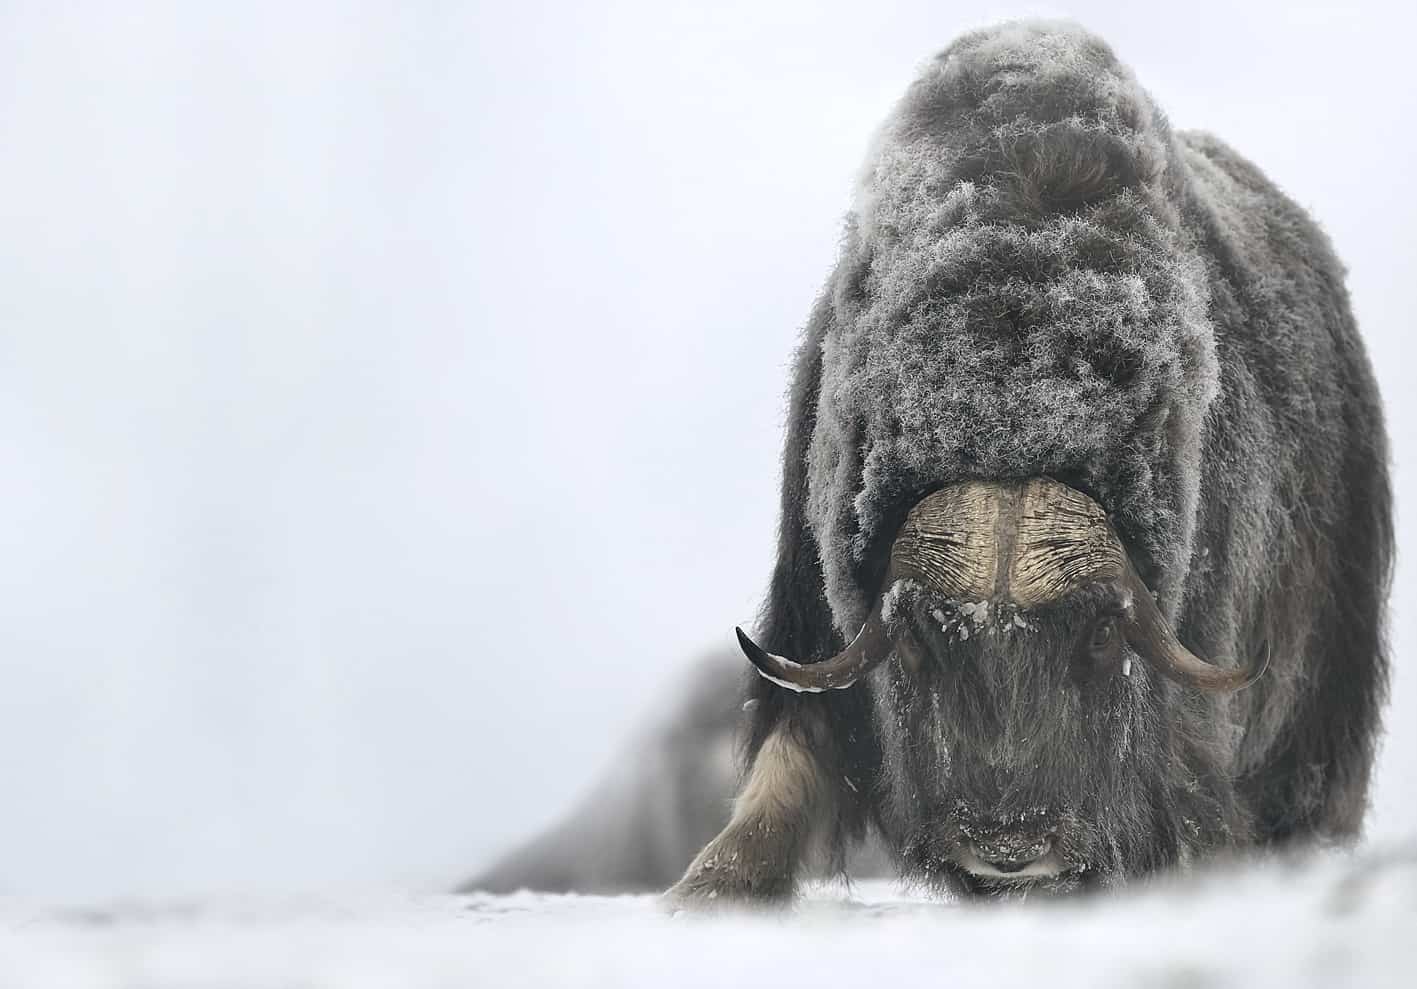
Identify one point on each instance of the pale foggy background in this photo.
(391, 394)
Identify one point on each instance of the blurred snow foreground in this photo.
(1331, 920)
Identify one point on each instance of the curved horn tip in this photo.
(1227, 680)
(1237, 679)
(1253, 676)
(773, 668)
(750, 648)
(755, 653)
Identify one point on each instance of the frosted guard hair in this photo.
(1016, 297)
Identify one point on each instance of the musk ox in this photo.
(1082, 441)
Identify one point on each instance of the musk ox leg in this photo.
(755, 859)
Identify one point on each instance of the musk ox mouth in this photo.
(963, 870)
(1047, 866)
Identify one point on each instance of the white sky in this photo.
(391, 394)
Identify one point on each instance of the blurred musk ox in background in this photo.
(1082, 440)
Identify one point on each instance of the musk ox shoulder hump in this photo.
(1039, 117)
(1017, 297)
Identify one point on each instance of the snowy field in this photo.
(1337, 920)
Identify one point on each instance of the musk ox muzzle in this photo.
(1018, 543)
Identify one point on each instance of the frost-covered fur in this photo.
(1018, 295)
(1039, 277)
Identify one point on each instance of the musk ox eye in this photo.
(1104, 645)
(1104, 634)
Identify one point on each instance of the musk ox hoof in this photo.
(720, 880)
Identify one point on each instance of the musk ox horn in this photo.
(1151, 634)
(869, 648)
(950, 541)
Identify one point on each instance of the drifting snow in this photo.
(1333, 921)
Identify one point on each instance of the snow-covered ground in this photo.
(1337, 920)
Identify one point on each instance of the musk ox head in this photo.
(1015, 662)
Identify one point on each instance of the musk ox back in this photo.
(1082, 437)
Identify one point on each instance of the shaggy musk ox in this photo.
(1082, 441)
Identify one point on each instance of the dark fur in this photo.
(1041, 278)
